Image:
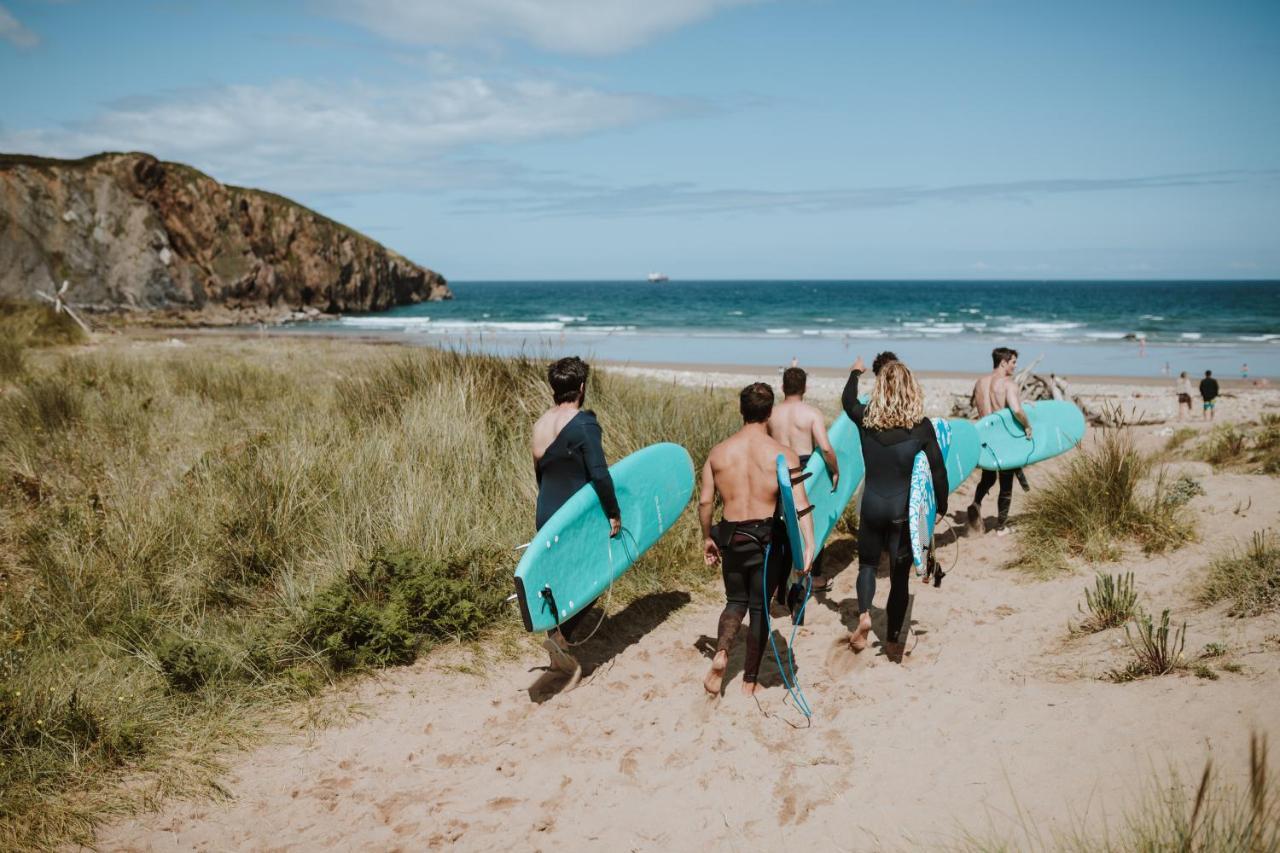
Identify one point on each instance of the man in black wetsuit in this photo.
(567, 454)
(894, 430)
(1208, 393)
(743, 470)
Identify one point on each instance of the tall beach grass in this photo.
(191, 533)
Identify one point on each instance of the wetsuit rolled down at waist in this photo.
(573, 459)
(888, 456)
(742, 564)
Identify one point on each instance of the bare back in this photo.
(792, 423)
(744, 468)
(548, 426)
(994, 392)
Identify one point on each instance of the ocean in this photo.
(1131, 328)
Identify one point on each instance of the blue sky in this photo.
(703, 138)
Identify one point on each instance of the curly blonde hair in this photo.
(897, 400)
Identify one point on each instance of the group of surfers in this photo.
(749, 543)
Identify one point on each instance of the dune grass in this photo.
(1111, 603)
(1157, 649)
(1108, 495)
(191, 535)
(1251, 447)
(1248, 578)
(1170, 817)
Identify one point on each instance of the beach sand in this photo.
(999, 720)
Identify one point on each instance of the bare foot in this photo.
(975, 519)
(858, 639)
(749, 688)
(714, 681)
(561, 660)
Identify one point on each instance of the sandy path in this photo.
(995, 711)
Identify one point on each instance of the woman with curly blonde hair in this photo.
(894, 429)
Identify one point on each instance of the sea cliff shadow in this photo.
(616, 634)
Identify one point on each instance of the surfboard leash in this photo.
(793, 683)
(608, 593)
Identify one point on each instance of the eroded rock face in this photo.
(131, 232)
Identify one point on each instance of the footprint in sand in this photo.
(842, 661)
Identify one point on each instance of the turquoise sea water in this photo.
(1115, 328)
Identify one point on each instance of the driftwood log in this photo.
(1034, 386)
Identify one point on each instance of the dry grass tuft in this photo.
(1249, 579)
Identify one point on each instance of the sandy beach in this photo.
(999, 724)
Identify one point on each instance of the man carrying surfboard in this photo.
(743, 471)
(567, 454)
(802, 428)
(995, 391)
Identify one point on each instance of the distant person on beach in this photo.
(993, 392)
(802, 428)
(1208, 393)
(1244, 370)
(894, 429)
(1184, 393)
(743, 471)
(567, 454)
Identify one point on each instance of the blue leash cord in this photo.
(792, 684)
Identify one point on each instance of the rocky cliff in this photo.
(132, 233)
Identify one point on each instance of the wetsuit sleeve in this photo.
(849, 399)
(937, 467)
(598, 467)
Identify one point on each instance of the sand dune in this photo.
(998, 720)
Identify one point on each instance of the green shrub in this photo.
(1183, 490)
(1224, 445)
(1156, 650)
(188, 664)
(1180, 437)
(1111, 602)
(382, 612)
(36, 324)
(1249, 579)
(1097, 503)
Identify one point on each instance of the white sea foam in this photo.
(1191, 336)
(777, 331)
(603, 329)
(735, 313)
(384, 322)
(1039, 329)
(1155, 317)
(1106, 336)
(1260, 338)
(565, 318)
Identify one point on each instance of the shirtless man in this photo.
(743, 470)
(802, 427)
(991, 393)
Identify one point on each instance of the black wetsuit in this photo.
(742, 560)
(888, 456)
(573, 459)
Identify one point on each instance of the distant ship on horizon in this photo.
(655, 277)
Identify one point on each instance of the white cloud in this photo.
(592, 27)
(12, 30)
(302, 136)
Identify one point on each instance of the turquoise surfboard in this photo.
(787, 498)
(962, 455)
(1056, 427)
(829, 505)
(572, 559)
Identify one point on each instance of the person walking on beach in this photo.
(802, 427)
(894, 430)
(1208, 393)
(743, 471)
(995, 391)
(567, 454)
(1184, 393)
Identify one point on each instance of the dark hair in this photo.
(793, 380)
(756, 403)
(567, 376)
(1000, 355)
(882, 359)
(1208, 373)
